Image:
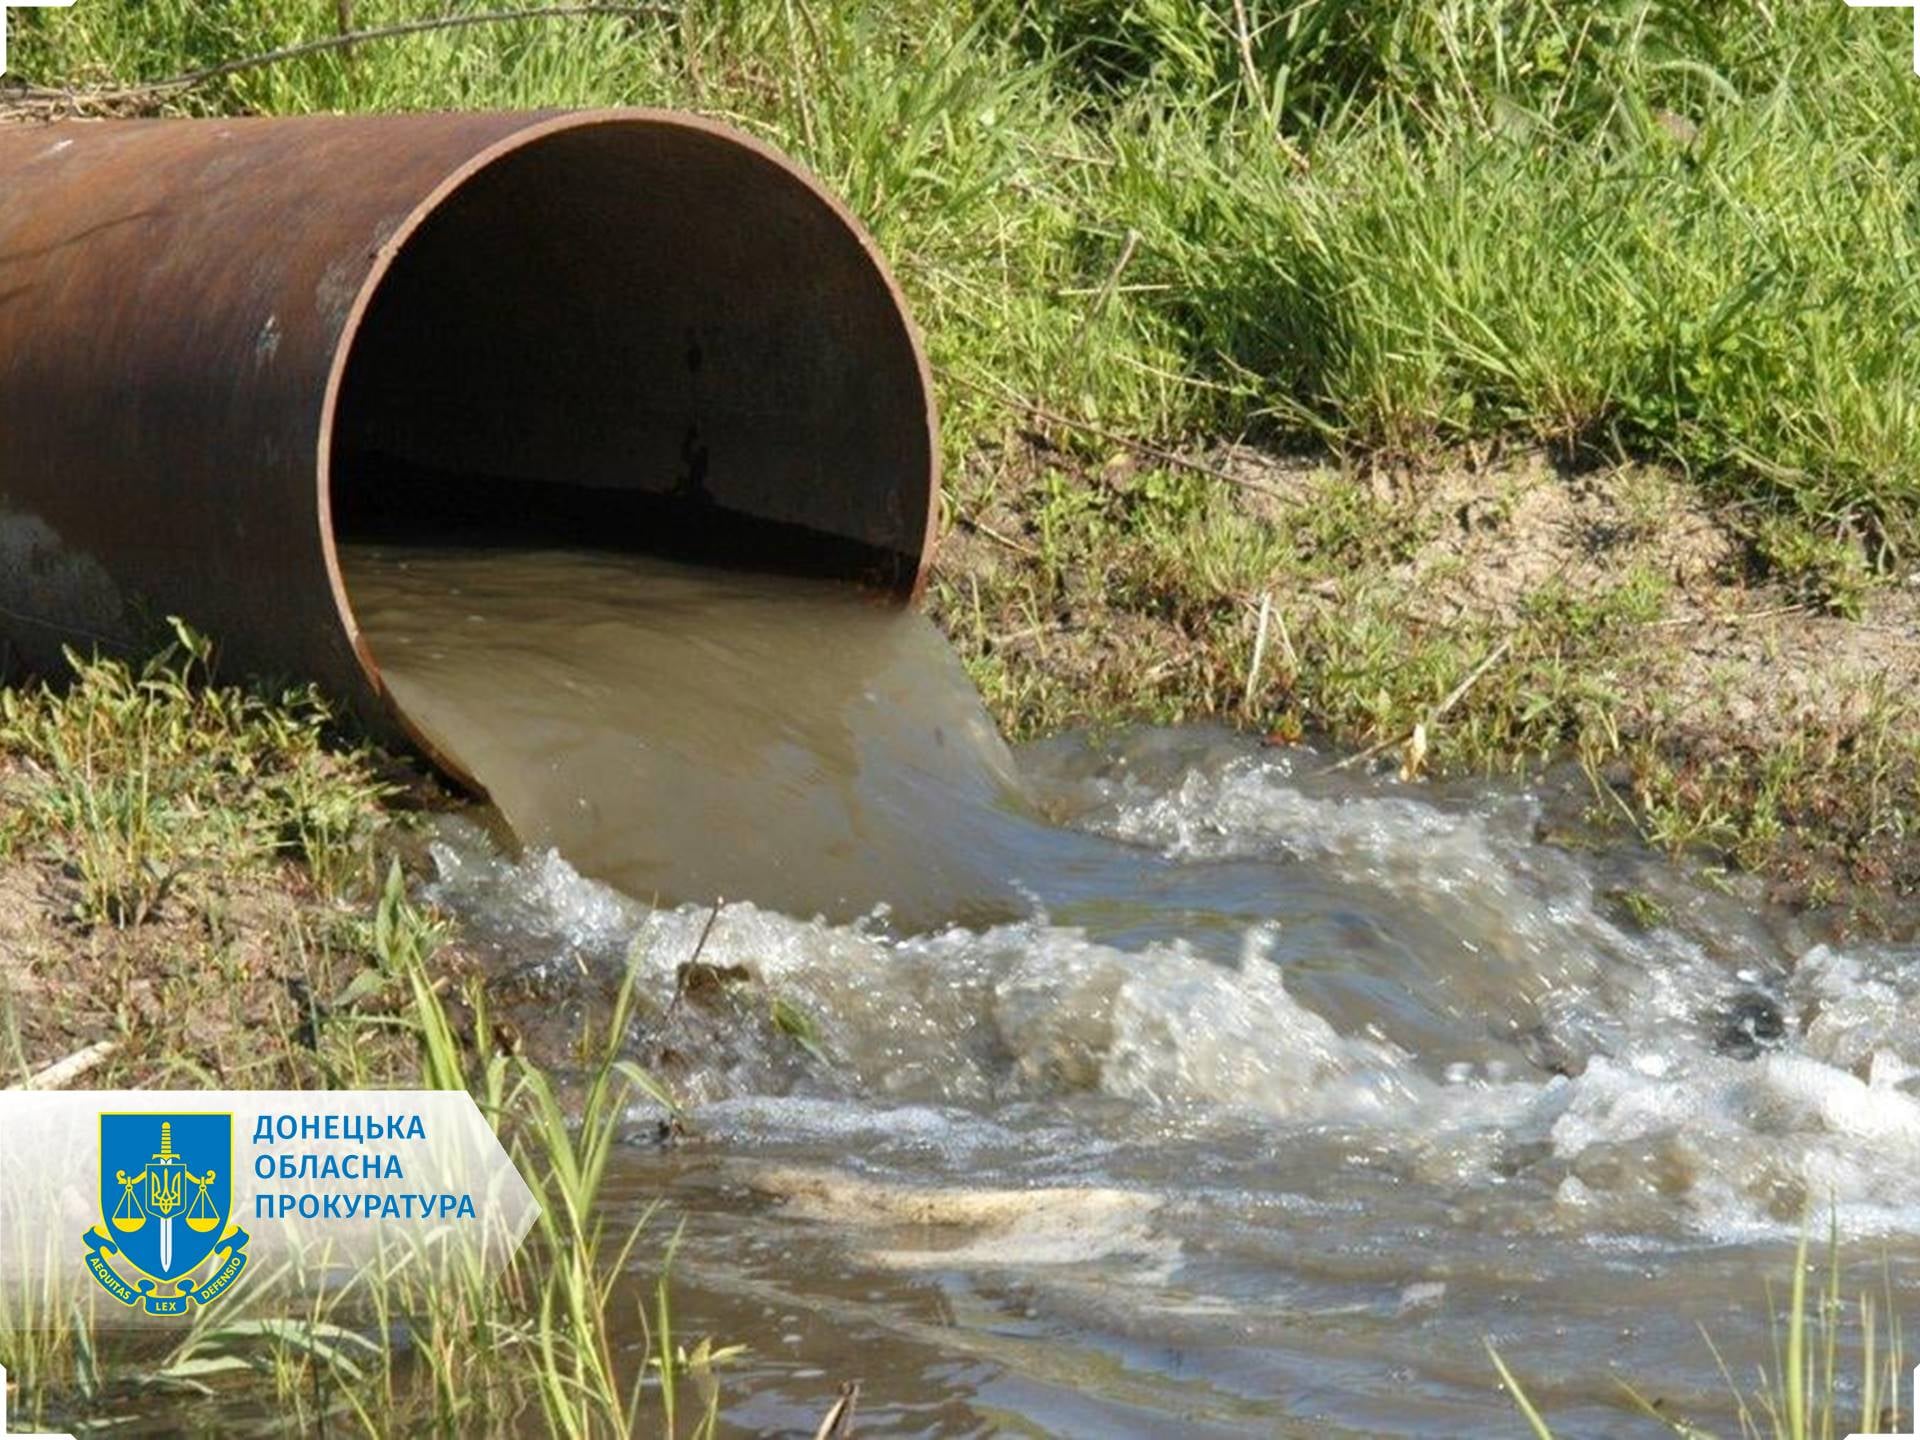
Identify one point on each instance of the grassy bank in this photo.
(1678, 228)
(202, 886)
(184, 867)
(1536, 378)
(1414, 243)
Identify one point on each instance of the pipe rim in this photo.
(534, 131)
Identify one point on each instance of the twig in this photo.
(1437, 714)
(1017, 546)
(699, 947)
(1014, 637)
(1360, 757)
(63, 1073)
(1459, 691)
(838, 1421)
(1259, 651)
(1106, 292)
(1243, 32)
(124, 94)
(1139, 447)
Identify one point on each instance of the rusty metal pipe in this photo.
(222, 342)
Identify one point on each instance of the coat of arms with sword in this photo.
(163, 1194)
(156, 1170)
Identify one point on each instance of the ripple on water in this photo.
(1324, 1075)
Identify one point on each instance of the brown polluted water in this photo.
(687, 733)
(1245, 1097)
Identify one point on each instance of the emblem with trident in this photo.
(164, 1175)
(144, 1190)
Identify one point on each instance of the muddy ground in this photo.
(1511, 608)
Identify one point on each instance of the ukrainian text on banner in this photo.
(153, 1205)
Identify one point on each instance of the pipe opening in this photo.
(638, 332)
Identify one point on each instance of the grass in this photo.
(411, 1345)
(1674, 226)
(1665, 238)
(1667, 232)
(421, 1342)
(143, 781)
(217, 893)
(1807, 1394)
(1115, 591)
(171, 846)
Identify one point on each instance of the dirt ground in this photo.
(1733, 665)
(1626, 617)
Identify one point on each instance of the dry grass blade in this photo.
(838, 1421)
(1533, 1417)
(124, 98)
(1259, 651)
(1439, 712)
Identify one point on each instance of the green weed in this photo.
(142, 781)
(422, 1343)
(1806, 1395)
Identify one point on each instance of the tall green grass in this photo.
(563, 1342)
(1679, 228)
(1808, 1393)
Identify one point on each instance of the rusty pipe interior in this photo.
(228, 347)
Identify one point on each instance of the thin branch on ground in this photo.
(63, 1073)
(1435, 716)
(1111, 437)
(33, 97)
(982, 528)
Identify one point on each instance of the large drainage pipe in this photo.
(227, 345)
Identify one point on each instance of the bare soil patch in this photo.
(1633, 622)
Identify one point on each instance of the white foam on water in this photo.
(930, 1038)
(929, 1227)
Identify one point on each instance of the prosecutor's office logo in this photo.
(166, 1202)
(18, 4)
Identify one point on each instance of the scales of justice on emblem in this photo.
(166, 1201)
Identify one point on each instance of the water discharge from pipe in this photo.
(1259, 1093)
(685, 733)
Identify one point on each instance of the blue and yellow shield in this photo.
(166, 1194)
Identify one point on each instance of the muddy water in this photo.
(1280, 1091)
(686, 733)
